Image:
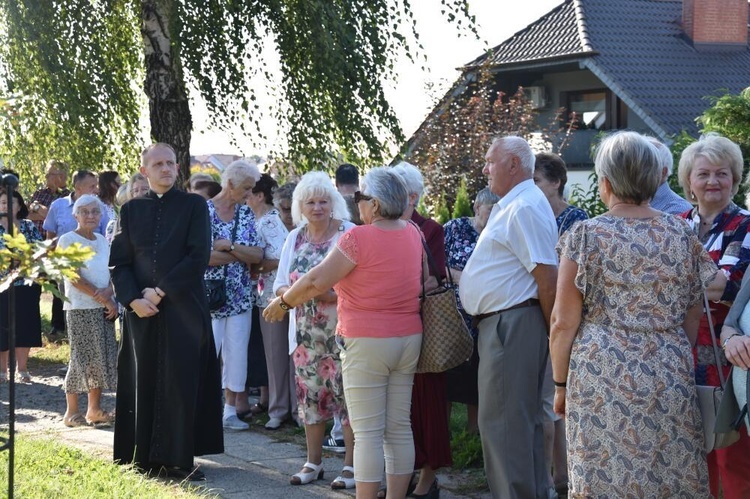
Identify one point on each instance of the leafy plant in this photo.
(588, 199)
(442, 213)
(462, 206)
(40, 263)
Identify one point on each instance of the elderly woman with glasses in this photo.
(379, 327)
(90, 312)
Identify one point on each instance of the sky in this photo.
(416, 90)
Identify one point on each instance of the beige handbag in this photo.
(710, 400)
(446, 341)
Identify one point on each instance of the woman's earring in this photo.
(692, 196)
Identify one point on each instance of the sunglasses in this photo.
(358, 196)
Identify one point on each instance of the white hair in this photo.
(519, 148)
(86, 200)
(317, 184)
(238, 171)
(663, 154)
(412, 178)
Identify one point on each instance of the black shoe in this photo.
(433, 493)
(180, 474)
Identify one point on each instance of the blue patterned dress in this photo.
(460, 239)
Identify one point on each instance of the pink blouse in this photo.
(380, 297)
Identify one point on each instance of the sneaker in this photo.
(274, 424)
(334, 445)
(233, 423)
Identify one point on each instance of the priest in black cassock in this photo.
(169, 386)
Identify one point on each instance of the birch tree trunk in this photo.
(169, 109)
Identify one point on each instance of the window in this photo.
(588, 110)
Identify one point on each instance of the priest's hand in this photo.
(143, 308)
(152, 295)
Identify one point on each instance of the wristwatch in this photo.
(283, 304)
(724, 344)
(231, 247)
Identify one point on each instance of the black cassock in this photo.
(168, 378)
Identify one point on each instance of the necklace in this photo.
(323, 237)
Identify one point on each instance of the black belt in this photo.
(526, 303)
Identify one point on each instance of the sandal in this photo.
(302, 478)
(342, 482)
(102, 418)
(74, 420)
(24, 377)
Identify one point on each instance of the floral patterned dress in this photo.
(633, 425)
(320, 388)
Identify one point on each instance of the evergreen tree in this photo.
(462, 207)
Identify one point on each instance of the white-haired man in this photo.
(666, 199)
(508, 285)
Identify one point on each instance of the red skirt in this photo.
(429, 421)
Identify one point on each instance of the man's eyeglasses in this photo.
(358, 196)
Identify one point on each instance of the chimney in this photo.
(716, 25)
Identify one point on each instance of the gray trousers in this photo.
(513, 349)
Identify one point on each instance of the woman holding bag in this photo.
(710, 173)
(379, 328)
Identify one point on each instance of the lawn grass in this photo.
(45, 468)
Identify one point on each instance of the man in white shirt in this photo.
(508, 285)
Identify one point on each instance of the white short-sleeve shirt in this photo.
(520, 234)
(96, 270)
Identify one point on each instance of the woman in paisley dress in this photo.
(230, 260)
(320, 213)
(461, 236)
(28, 318)
(629, 299)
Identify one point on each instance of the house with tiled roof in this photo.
(644, 65)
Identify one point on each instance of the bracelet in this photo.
(159, 293)
(564, 384)
(724, 344)
(284, 305)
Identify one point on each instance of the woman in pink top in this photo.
(377, 271)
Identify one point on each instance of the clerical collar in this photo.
(158, 195)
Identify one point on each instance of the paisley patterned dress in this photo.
(633, 425)
(320, 388)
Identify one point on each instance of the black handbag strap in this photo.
(234, 233)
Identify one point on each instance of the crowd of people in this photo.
(590, 334)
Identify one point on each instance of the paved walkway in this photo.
(255, 464)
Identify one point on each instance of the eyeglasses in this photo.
(89, 213)
(358, 196)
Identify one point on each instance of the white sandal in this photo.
(302, 478)
(341, 482)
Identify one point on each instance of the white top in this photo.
(272, 233)
(96, 270)
(520, 234)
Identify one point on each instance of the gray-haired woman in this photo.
(377, 269)
(235, 247)
(90, 312)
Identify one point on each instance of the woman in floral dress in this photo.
(629, 300)
(461, 236)
(320, 214)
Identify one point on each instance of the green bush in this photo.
(462, 207)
